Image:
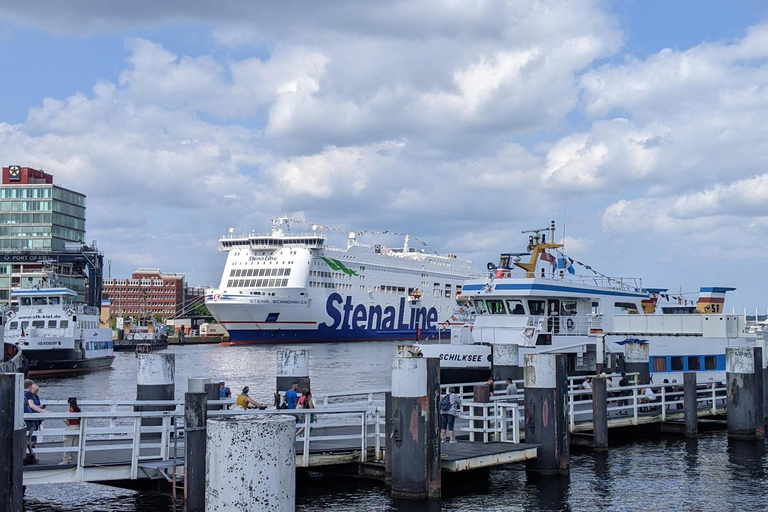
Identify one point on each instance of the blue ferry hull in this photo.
(279, 336)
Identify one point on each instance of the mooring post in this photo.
(481, 394)
(763, 368)
(12, 441)
(212, 392)
(292, 366)
(388, 415)
(506, 362)
(546, 413)
(759, 390)
(636, 358)
(251, 463)
(415, 446)
(155, 380)
(599, 414)
(195, 417)
(690, 405)
(740, 373)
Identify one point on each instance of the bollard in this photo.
(155, 380)
(415, 447)
(481, 394)
(388, 409)
(636, 359)
(212, 392)
(292, 366)
(195, 417)
(740, 373)
(599, 414)
(690, 405)
(506, 362)
(546, 413)
(12, 441)
(759, 390)
(251, 463)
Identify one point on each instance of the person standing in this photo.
(291, 396)
(224, 391)
(624, 383)
(71, 440)
(511, 388)
(449, 409)
(491, 386)
(306, 402)
(32, 405)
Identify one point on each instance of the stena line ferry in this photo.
(292, 288)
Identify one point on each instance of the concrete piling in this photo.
(251, 464)
(413, 454)
(212, 393)
(740, 373)
(196, 385)
(12, 441)
(195, 417)
(155, 380)
(690, 405)
(600, 414)
(759, 390)
(292, 366)
(636, 359)
(546, 413)
(506, 362)
(481, 394)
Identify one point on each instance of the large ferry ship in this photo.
(293, 288)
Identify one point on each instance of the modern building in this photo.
(42, 236)
(148, 293)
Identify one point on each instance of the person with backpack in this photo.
(449, 409)
(306, 402)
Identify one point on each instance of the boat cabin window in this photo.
(659, 364)
(64, 324)
(38, 324)
(694, 363)
(13, 325)
(25, 301)
(39, 301)
(710, 363)
(480, 307)
(447, 290)
(677, 364)
(627, 308)
(595, 308)
(495, 306)
(25, 324)
(54, 300)
(515, 307)
(568, 308)
(51, 324)
(536, 307)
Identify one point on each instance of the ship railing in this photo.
(634, 284)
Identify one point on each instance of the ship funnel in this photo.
(649, 304)
(712, 299)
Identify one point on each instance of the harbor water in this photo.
(651, 472)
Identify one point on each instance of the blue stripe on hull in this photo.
(258, 337)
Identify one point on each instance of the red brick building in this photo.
(149, 292)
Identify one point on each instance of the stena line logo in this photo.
(339, 266)
(346, 316)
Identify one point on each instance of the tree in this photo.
(200, 310)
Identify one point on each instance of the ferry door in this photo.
(553, 311)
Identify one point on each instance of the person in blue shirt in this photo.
(224, 391)
(291, 396)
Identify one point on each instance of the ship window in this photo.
(458, 289)
(285, 282)
(237, 272)
(568, 307)
(24, 324)
(271, 282)
(629, 308)
(261, 272)
(250, 272)
(229, 283)
(51, 324)
(54, 300)
(38, 323)
(710, 363)
(26, 301)
(677, 364)
(480, 307)
(232, 273)
(495, 306)
(447, 290)
(694, 363)
(241, 283)
(659, 364)
(13, 325)
(536, 307)
(287, 272)
(515, 306)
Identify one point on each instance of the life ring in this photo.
(569, 324)
(529, 332)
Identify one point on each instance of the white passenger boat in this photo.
(292, 288)
(543, 305)
(57, 335)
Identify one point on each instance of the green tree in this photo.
(200, 310)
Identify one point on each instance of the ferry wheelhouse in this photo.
(57, 335)
(293, 288)
(542, 305)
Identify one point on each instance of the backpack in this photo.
(445, 403)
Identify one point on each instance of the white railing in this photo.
(498, 420)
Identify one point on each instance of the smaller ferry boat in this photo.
(141, 332)
(57, 335)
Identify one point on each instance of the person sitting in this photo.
(245, 402)
(648, 396)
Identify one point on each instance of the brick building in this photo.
(149, 292)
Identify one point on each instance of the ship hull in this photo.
(289, 336)
(63, 361)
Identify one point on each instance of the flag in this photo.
(571, 270)
(545, 256)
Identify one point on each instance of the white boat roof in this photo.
(35, 292)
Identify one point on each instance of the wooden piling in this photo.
(12, 441)
(690, 405)
(599, 414)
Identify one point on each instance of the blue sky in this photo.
(637, 123)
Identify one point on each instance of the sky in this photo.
(635, 125)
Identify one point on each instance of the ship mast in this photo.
(537, 244)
